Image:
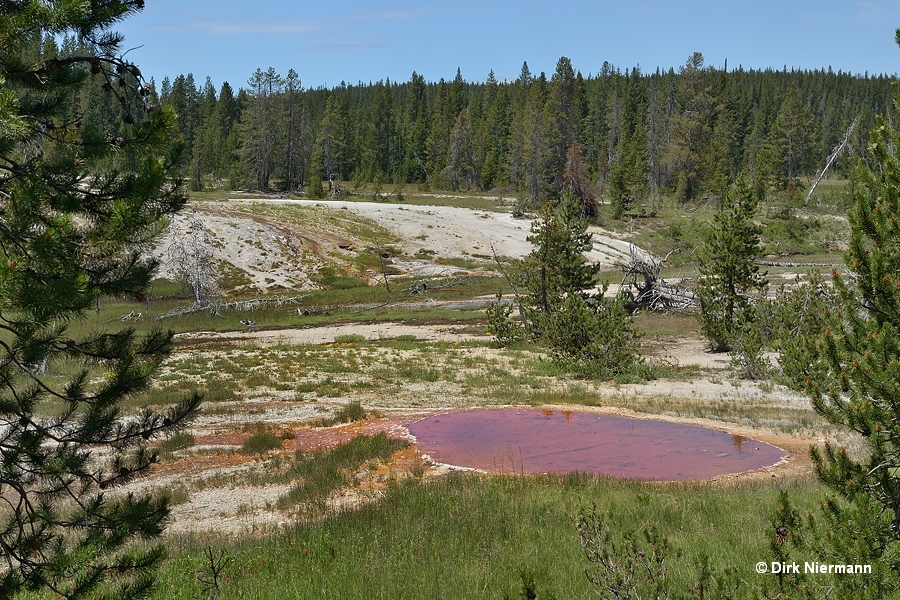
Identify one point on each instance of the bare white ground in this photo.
(460, 232)
(328, 333)
(263, 253)
(268, 257)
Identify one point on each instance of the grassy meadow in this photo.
(474, 536)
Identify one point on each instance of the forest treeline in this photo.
(630, 136)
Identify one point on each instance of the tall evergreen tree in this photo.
(590, 335)
(462, 170)
(529, 159)
(438, 141)
(556, 266)
(330, 153)
(787, 152)
(381, 134)
(855, 382)
(495, 133)
(729, 277)
(206, 139)
(260, 127)
(628, 173)
(690, 129)
(226, 116)
(415, 129)
(563, 117)
(296, 139)
(75, 221)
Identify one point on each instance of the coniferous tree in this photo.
(226, 116)
(729, 278)
(462, 170)
(690, 129)
(438, 140)
(563, 117)
(855, 380)
(590, 335)
(787, 152)
(556, 266)
(259, 128)
(296, 140)
(416, 130)
(206, 140)
(594, 131)
(380, 149)
(185, 99)
(495, 133)
(657, 124)
(330, 152)
(576, 181)
(530, 150)
(74, 222)
(628, 174)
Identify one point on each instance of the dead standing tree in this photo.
(195, 265)
(644, 288)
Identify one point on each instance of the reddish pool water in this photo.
(546, 441)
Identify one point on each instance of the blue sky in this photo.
(327, 42)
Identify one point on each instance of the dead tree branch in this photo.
(644, 288)
(275, 302)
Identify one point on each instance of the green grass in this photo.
(339, 305)
(261, 442)
(178, 441)
(418, 373)
(323, 471)
(349, 338)
(470, 536)
(353, 411)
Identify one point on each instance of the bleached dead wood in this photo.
(275, 302)
(195, 264)
(835, 154)
(794, 265)
(644, 288)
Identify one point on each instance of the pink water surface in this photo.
(550, 441)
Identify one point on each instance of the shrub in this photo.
(792, 321)
(501, 325)
(593, 337)
(350, 413)
(349, 338)
(747, 360)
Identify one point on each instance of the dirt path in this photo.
(328, 333)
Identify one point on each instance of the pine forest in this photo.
(686, 134)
